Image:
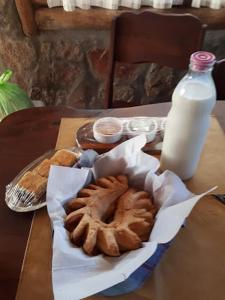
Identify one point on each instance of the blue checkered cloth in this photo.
(137, 278)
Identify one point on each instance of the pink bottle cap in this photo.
(202, 60)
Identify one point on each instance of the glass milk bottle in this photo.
(189, 118)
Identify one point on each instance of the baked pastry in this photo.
(133, 221)
(33, 183)
(64, 158)
(110, 217)
(60, 158)
(95, 204)
(44, 167)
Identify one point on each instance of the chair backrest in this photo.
(165, 39)
(219, 78)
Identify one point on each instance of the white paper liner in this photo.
(76, 275)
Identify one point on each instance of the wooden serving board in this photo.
(85, 140)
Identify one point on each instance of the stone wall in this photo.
(70, 67)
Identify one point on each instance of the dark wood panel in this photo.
(214, 18)
(153, 38)
(219, 78)
(99, 18)
(39, 2)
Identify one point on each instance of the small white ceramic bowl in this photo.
(108, 130)
(140, 125)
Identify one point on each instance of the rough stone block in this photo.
(98, 62)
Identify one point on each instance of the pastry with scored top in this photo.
(132, 223)
(110, 217)
(94, 205)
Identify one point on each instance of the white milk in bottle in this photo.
(189, 118)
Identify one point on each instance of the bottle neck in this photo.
(196, 71)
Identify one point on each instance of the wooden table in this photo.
(24, 136)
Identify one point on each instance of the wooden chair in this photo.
(219, 78)
(165, 39)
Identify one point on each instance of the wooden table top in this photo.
(24, 136)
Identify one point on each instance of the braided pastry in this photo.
(110, 217)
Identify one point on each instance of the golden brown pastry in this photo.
(64, 158)
(132, 223)
(95, 203)
(44, 167)
(109, 217)
(36, 181)
(33, 183)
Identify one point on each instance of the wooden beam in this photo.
(214, 18)
(99, 18)
(26, 13)
(39, 2)
(57, 18)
